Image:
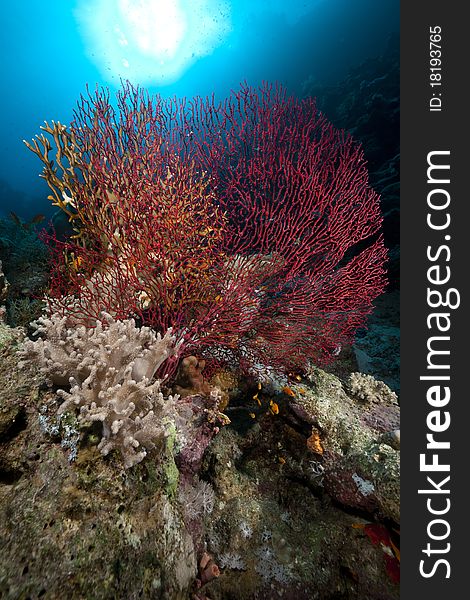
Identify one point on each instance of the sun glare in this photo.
(156, 26)
(151, 41)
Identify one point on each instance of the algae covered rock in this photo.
(275, 532)
(279, 505)
(360, 465)
(81, 528)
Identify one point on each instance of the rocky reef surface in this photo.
(297, 498)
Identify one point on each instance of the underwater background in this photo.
(286, 484)
(51, 50)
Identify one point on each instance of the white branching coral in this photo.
(370, 390)
(110, 369)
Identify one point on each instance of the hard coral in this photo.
(110, 371)
(370, 390)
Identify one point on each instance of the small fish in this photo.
(252, 415)
(295, 376)
(76, 262)
(273, 407)
(288, 391)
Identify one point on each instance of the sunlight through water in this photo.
(151, 42)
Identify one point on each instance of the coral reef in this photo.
(81, 529)
(366, 103)
(279, 529)
(256, 511)
(247, 225)
(110, 371)
(358, 467)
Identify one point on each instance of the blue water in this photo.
(51, 49)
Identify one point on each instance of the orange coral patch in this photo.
(314, 442)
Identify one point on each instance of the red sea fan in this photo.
(248, 225)
(303, 222)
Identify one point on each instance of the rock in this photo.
(359, 470)
(83, 529)
(274, 533)
(291, 497)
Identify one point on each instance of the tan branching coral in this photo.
(248, 225)
(70, 168)
(110, 369)
(147, 224)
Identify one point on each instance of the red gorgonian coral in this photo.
(247, 225)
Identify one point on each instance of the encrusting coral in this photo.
(110, 370)
(370, 390)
